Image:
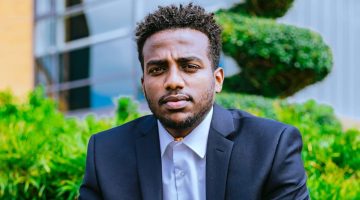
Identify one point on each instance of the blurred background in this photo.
(83, 51)
(294, 61)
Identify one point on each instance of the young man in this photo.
(191, 148)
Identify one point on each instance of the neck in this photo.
(179, 132)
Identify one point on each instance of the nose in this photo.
(174, 79)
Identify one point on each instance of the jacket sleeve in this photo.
(89, 189)
(287, 179)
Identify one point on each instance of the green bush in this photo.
(331, 155)
(263, 8)
(42, 153)
(256, 105)
(276, 60)
(127, 110)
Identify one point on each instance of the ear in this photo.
(142, 84)
(219, 79)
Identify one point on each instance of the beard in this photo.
(204, 104)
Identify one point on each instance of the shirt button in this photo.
(182, 173)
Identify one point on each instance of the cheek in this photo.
(205, 82)
(151, 88)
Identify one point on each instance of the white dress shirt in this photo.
(184, 163)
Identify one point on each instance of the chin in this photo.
(177, 117)
(177, 120)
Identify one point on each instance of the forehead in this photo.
(176, 42)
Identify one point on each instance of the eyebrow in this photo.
(188, 59)
(179, 60)
(156, 62)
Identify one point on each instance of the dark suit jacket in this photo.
(246, 158)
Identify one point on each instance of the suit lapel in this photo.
(149, 161)
(218, 153)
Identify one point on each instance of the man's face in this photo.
(179, 82)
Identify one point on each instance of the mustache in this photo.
(174, 97)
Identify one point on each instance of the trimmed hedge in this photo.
(42, 154)
(276, 60)
(263, 8)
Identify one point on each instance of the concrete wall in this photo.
(16, 58)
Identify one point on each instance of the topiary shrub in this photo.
(263, 8)
(276, 60)
(331, 156)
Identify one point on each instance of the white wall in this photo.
(338, 21)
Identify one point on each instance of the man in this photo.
(191, 148)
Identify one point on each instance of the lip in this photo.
(175, 102)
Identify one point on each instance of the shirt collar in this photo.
(196, 140)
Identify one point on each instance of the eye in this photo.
(188, 67)
(156, 70)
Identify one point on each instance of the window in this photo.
(96, 20)
(83, 55)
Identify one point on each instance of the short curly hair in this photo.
(184, 16)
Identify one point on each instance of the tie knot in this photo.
(178, 139)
